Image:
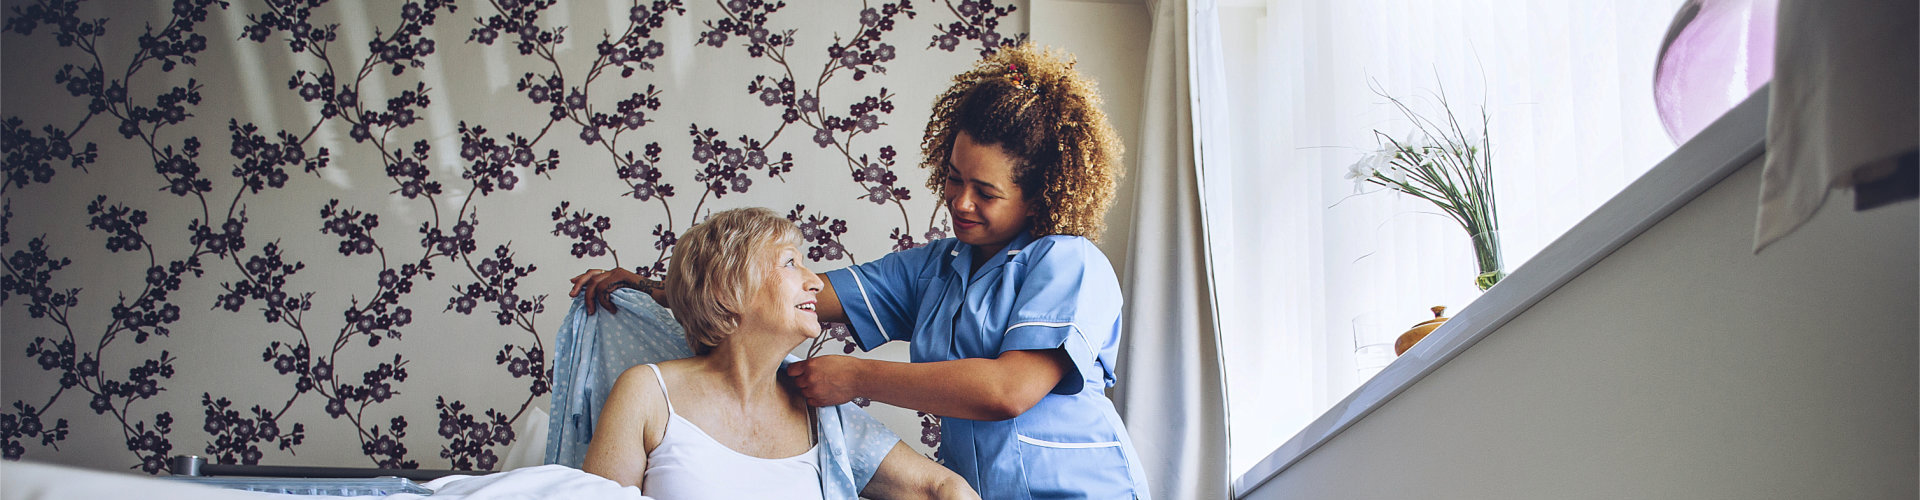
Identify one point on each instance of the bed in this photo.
(591, 351)
(36, 481)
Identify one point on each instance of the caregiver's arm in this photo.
(827, 303)
(973, 388)
(621, 437)
(599, 285)
(905, 474)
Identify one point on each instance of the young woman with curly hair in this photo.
(1014, 323)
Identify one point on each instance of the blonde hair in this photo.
(1031, 103)
(717, 268)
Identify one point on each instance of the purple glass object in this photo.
(1716, 53)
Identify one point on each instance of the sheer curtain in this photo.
(1307, 272)
(1170, 392)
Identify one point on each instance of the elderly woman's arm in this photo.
(905, 474)
(620, 438)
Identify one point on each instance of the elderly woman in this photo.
(724, 423)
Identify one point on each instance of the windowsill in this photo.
(1723, 147)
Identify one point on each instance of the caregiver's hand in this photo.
(826, 380)
(599, 285)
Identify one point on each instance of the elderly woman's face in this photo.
(786, 295)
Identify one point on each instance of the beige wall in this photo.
(452, 353)
(1109, 37)
(1681, 366)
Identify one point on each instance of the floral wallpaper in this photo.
(340, 233)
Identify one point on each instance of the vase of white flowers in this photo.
(1442, 164)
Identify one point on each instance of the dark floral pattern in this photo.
(585, 229)
(470, 438)
(237, 438)
(821, 234)
(977, 21)
(929, 430)
(31, 272)
(218, 240)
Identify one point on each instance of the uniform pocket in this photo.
(1063, 470)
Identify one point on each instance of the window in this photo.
(1307, 271)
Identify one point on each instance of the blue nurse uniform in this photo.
(1036, 294)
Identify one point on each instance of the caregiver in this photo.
(1014, 323)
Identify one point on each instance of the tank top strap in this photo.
(663, 387)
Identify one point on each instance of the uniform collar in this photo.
(962, 254)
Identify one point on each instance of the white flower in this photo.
(1382, 159)
(1393, 173)
(1361, 172)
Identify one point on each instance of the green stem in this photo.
(1486, 253)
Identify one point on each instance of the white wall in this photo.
(1681, 366)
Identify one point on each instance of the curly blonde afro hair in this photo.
(1031, 103)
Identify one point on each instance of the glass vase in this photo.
(1486, 253)
(1715, 53)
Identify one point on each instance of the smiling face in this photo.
(988, 208)
(740, 270)
(784, 299)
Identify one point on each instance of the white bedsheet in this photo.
(35, 481)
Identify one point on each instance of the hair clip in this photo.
(1020, 79)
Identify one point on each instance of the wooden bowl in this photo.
(1419, 331)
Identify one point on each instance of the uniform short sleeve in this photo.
(881, 297)
(1068, 298)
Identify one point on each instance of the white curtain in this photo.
(1307, 272)
(1842, 108)
(1171, 395)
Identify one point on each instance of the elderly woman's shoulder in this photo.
(635, 399)
(641, 379)
(672, 368)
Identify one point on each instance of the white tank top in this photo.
(691, 465)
